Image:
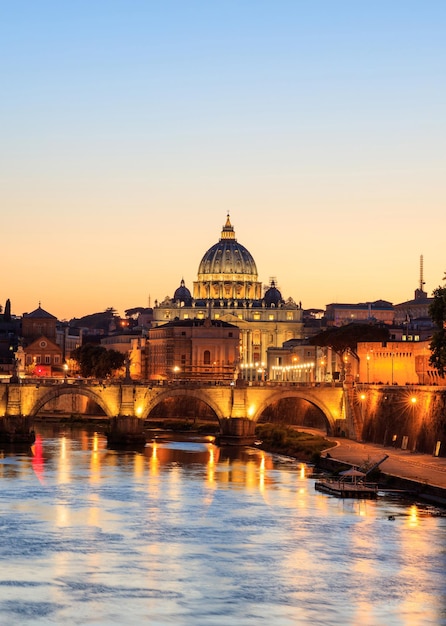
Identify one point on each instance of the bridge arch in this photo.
(329, 420)
(56, 392)
(196, 394)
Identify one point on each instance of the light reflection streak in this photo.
(62, 515)
(210, 467)
(262, 474)
(94, 510)
(63, 474)
(37, 461)
(414, 519)
(154, 461)
(139, 465)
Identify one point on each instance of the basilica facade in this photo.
(228, 289)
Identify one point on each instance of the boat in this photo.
(349, 484)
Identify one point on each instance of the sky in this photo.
(130, 128)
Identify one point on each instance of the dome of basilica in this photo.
(227, 270)
(228, 256)
(273, 297)
(182, 294)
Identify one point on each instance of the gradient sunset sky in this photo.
(130, 128)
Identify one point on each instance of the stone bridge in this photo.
(237, 408)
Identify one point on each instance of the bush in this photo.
(291, 442)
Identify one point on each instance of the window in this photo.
(207, 357)
(289, 315)
(271, 316)
(56, 359)
(47, 359)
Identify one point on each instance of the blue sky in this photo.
(131, 128)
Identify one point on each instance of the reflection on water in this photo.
(186, 533)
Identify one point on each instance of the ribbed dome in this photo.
(227, 271)
(227, 257)
(182, 294)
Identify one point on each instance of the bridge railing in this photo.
(77, 381)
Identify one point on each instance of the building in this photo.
(228, 289)
(193, 349)
(299, 362)
(379, 311)
(397, 363)
(46, 345)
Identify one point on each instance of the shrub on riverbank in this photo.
(184, 425)
(291, 442)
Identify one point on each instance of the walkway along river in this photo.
(423, 473)
(189, 534)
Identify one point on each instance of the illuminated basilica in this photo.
(228, 289)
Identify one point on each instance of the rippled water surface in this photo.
(185, 533)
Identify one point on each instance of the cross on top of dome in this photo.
(228, 229)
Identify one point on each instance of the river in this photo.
(188, 534)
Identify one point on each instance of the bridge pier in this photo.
(236, 431)
(16, 430)
(125, 431)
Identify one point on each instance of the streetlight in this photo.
(176, 369)
(323, 370)
(413, 401)
(65, 371)
(362, 398)
(368, 368)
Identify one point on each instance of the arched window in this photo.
(207, 357)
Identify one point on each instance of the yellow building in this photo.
(397, 363)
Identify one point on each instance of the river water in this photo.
(187, 534)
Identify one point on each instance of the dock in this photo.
(342, 489)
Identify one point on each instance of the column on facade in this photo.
(245, 346)
(242, 352)
(263, 344)
(249, 355)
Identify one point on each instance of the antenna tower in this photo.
(421, 273)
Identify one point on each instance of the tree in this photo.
(437, 311)
(98, 321)
(7, 313)
(96, 361)
(134, 311)
(344, 339)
